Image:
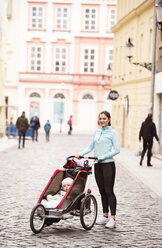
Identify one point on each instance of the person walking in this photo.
(106, 145)
(47, 128)
(147, 132)
(35, 125)
(70, 125)
(22, 126)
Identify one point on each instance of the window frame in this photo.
(56, 7)
(110, 17)
(30, 58)
(90, 8)
(37, 5)
(55, 59)
(107, 60)
(83, 59)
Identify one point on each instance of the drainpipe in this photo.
(153, 65)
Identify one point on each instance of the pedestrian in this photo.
(70, 125)
(106, 145)
(22, 126)
(35, 125)
(47, 128)
(147, 132)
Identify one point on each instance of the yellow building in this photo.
(2, 99)
(133, 82)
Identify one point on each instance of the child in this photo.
(53, 200)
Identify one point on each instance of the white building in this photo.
(63, 49)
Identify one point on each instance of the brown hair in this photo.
(107, 115)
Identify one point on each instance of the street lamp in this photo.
(129, 50)
(108, 75)
(109, 71)
(129, 54)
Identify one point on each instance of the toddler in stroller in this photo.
(77, 201)
(53, 200)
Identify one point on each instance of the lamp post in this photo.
(108, 75)
(113, 94)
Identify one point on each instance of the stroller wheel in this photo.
(37, 218)
(88, 212)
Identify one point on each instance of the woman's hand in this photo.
(77, 156)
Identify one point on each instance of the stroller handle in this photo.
(82, 157)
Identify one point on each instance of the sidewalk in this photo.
(6, 143)
(150, 176)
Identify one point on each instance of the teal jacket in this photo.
(105, 144)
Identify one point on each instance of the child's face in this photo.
(65, 187)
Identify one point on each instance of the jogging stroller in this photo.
(78, 200)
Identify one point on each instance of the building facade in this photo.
(64, 48)
(2, 98)
(135, 21)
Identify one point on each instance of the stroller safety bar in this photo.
(82, 157)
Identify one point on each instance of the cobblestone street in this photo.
(25, 173)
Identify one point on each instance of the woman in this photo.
(106, 145)
(70, 125)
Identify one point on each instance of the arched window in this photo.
(87, 97)
(59, 95)
(34, 94)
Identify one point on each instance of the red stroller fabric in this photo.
(70, 164)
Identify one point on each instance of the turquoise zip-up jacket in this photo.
(105, 144)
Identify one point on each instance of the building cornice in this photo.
(132, 14)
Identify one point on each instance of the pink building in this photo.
(66, 47)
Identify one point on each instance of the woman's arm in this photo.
(89, 148)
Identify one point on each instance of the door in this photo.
(58, 112)
(87, 115)
(33, 109)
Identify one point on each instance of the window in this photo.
(112, 18)
(34, 94)
(59, 96)
(60, 59)
(88, 97)
(109, 58)
(89, 58)
(35, 58)
(62, 18)
(37, 17)
(90, 19)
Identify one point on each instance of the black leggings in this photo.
(105, 177)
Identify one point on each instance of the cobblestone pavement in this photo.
(23, 175)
